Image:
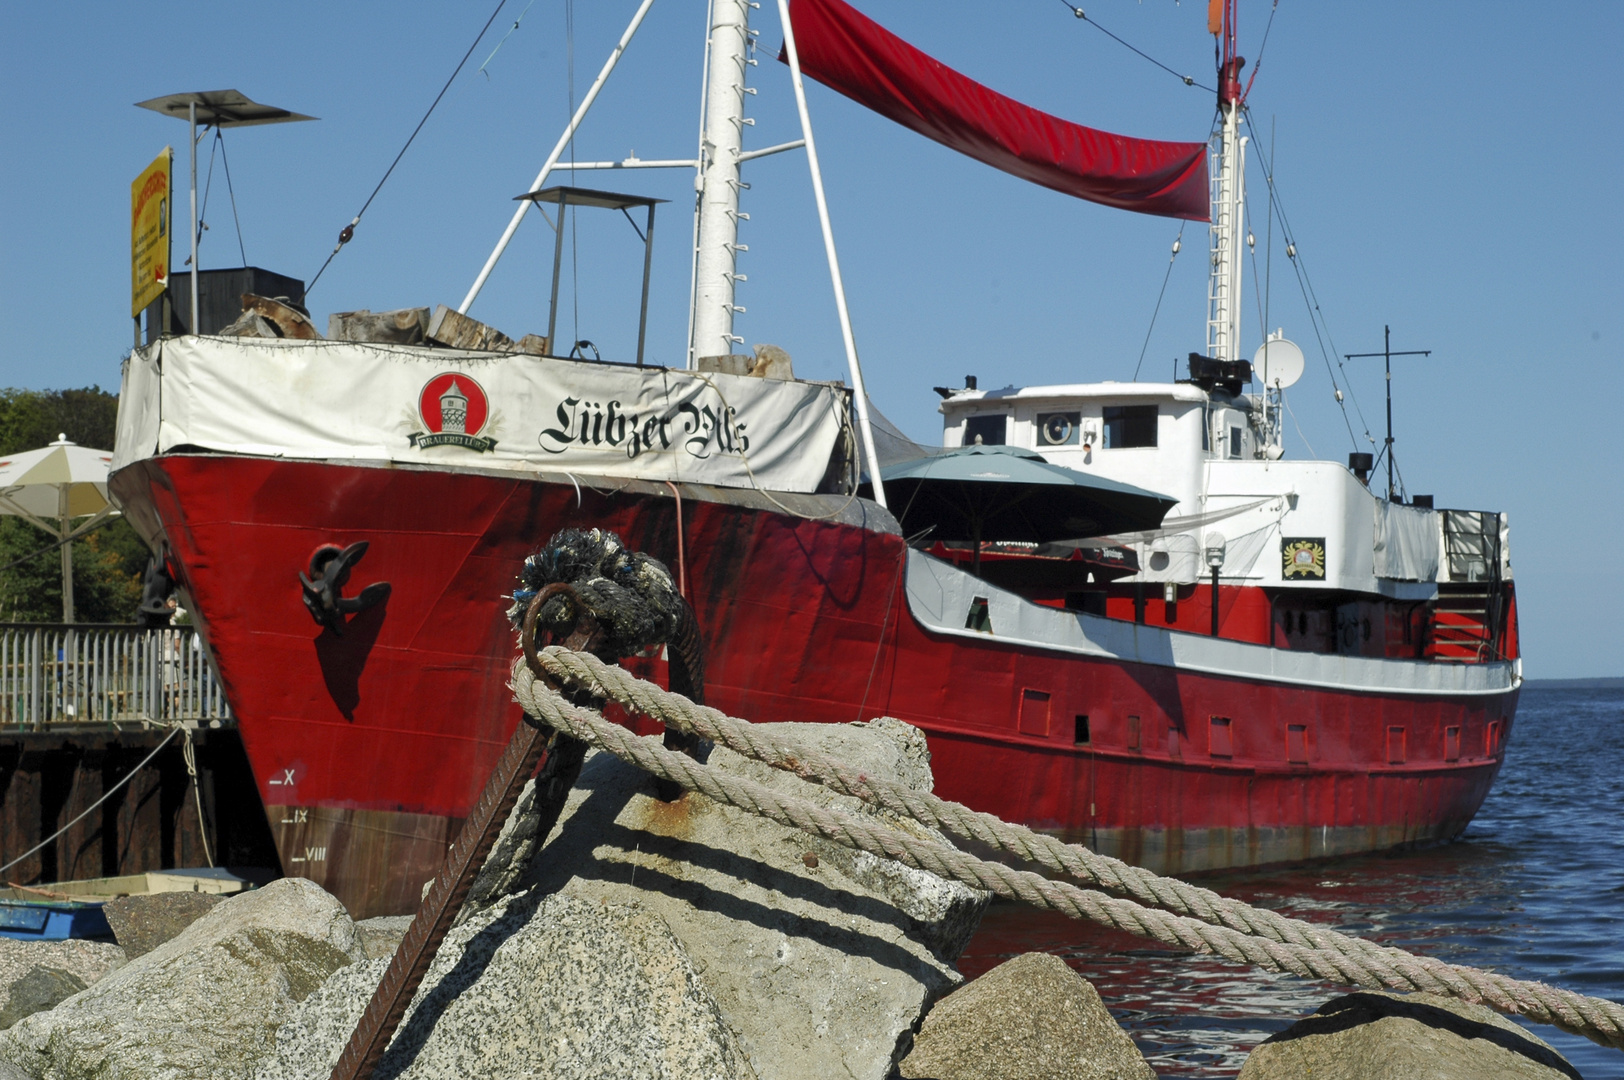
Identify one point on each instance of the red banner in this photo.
(849, 52)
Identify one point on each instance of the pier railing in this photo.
(56, 676)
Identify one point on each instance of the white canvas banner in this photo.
(326, 400)
(1407, 540)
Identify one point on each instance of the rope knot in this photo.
(630, 594)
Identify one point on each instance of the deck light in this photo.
(1215, 560)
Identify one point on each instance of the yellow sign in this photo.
(150, 207)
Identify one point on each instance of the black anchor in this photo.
(329, 571)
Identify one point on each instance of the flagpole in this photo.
(191, 116)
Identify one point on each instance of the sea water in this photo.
(1534, 889)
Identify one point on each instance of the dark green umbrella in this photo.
(979, 493)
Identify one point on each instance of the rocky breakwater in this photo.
(642, 939)
(653, 939)
(206, 1003)
(1030, 1018)
(1374, 1035)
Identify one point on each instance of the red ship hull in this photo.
(369, 748)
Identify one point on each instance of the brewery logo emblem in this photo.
(1302, 558)
(454, 410)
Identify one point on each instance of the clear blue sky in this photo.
(1449, 168)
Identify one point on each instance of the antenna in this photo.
(1387, 355)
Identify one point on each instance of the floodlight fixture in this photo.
(220, 109)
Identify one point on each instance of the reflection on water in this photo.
(1535, 889)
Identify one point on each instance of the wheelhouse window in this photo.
(1058, 428)
(988, 430)
(1129, 425)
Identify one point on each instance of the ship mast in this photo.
(1228, 172)
(716, 244)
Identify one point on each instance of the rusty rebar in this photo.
(445, 897)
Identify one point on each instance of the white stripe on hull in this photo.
(940, 596)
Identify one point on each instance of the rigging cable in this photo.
(505, 36)
(1251, 242)
(226, 163)
(1287, 403)
(348, 231)
(1386, 452)
(1257, 64)
(1165, 277)
(203, 211)
(1268, 250)
(1279, 428)
(1310, 297)
(1257, 281)
(1185, 79)
(174, 730)
(575, 218)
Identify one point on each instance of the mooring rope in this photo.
(586, 672)
(1214, 925)
(188, 753)
(175, 729)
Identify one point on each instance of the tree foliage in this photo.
(30, 419)
(107, 563)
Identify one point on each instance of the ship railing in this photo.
(56, 676)
(1471, 609)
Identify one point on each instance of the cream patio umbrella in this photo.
(52, 487)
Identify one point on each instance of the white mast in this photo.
(1228, 225)
(1228, 172)
(717, 245)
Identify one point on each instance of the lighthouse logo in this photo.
(454, 410)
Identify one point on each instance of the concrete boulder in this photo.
(23, 991)
(822, 960)
(1030, 1018)
(534, 985)
(142, 923)
(381, 936)
(44, 987)
(205, 1004)
(653, 939)
(1373, 1035)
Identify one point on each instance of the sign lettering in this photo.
(150, 212)
(700, 430)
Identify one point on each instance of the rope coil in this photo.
(1196, 918)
